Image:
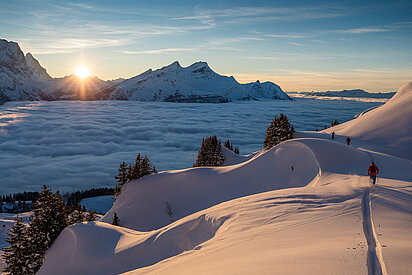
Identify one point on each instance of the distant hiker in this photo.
(293, 168)
(373, 170)
(348, 140)
(333, 135)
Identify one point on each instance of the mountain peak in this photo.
(38, 71)
(174, 65)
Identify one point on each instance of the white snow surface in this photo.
(195, 80)
(386, 129)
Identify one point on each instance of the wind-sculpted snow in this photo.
(75, 145)
(286, 166)
(123, 249)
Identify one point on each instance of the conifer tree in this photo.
(16, 255)
(236, 150)
(76, 216)
(279, 130)
(228, 145)
(48, 221)
(116, 219)
(91, 215)
(122, 178)
(210, 153)
(142, 167)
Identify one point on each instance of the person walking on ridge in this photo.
(373, 171)
(333, 135)
(348, 140)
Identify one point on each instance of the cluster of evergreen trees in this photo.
(229, 146)
(279, 130)
(210, 153)
(28, 243)
(142, 167)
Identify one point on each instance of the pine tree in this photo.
(279, 130)
(122, 178)
(16, 255)
(48, 221)
(236, 150)
(76, 216)
(91, 215)
(210, 153)
(142, 167)
(116, 219)
(228, 145)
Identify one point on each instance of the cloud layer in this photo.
(75, 145)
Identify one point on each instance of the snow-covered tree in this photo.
(48, 221)
(279, 130)
(210, 153)
(91, 215)
(76, 216)
(16, 255)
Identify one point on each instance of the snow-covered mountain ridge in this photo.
(23, 78)
(195, 83)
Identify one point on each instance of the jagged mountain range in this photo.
(23, 78)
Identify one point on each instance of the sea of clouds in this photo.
(77, 145)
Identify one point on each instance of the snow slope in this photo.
(256, 217)
(195, 83)
(385, 129)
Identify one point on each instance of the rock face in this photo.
(20, 76)
(196, 83)
(23, 78)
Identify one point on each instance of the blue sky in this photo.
(300, 45)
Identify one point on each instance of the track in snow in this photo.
(375, 259)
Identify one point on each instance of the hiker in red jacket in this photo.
(373, 170)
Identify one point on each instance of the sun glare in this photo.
(82, 71)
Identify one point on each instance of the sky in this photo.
(299, 45)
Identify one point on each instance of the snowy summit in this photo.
(196, 83)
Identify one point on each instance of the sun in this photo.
(82, 71)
